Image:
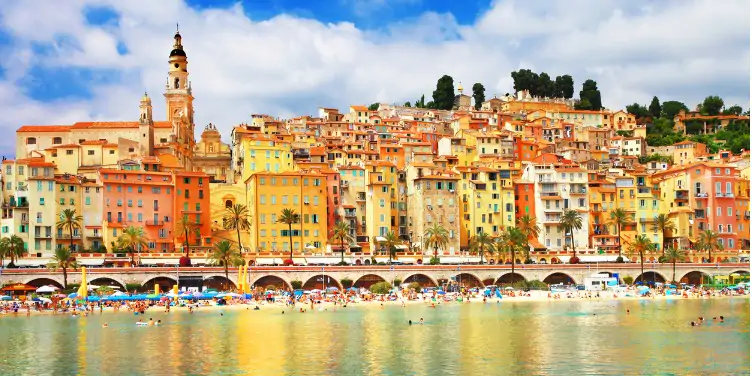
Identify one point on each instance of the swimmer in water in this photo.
(151, 321)
(221, 314)
(159, 322)
(721, 318)
(421, 320)
(627, 311)
(409, 322)
(692, 323)
(105, 325)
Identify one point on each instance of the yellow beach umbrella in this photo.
(83, 290)
(246, 285)
(156, 289)
(175, 289)
(240, 276)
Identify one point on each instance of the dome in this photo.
(145, 98)
(177, 52)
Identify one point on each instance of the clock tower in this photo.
(179, 103)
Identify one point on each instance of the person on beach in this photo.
(151, 321)
(421, 320)
(105, 325)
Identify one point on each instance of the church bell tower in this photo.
(179, 103)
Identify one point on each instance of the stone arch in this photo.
(509, 278)
(421, 279)
(489, 281)
(367, 280)
(321, 280)
(271, 280)
(695, 277)
(43, 281)
(468, 280)
(165, 282)
(559, 277)
(650, 276)
(218, 282)
(109, 281)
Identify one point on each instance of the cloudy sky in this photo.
(78, 60)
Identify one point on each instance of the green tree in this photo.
(341, 232)
(133, 240)
(640, 246)
(734, 110)
(525, 79)
(373, 106)
(655, 108)
(184, 228)
(70, 221)
(381, 288)
(592, 94)
(673, 256)
(289, 217)
(346, 283)
(14, 248)
(63, 259)
(545, 87)
(443, 96)
(670, 109)
(436, 237)
(712, 105)
(618, 218)
(583, 104)
(480, 243)
(663, 224)
(638, 110)
(479, 95)
(390, 242)
(407, 104)
(571, 221)
(511, 241)
(709, 242)
(236, 218)
(224, 254)
(563, 87)
(529, 226)
(4, 250)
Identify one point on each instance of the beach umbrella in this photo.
(45, 300)
(233, 295)
(156, 289)
(47, 289)
(92, 299)
(172, 294)
(153, 296)
(73, 295)
(83, 291)
(35, 300)
(186, 296)
(5, 297)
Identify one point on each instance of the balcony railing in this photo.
(701, 195)
(68, 236)
(154, 223)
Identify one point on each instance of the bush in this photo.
(397, 281)
(435, 261)
(537, 285)
(381, 263)
(296, 285)
(381, 288)
(288, 262)
(620, 260)
(346, 282)
(574, 260)
(72, 287)
(528, 261)
(520, 285)
(184, 261)
(628, 280)
(415, 286)
(132, 286)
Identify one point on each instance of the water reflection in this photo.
(494, 338)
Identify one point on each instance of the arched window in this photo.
(228, 203)
(57, 140)
(31, 141)
(211, 148)
(177, 83)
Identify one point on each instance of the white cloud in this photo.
(289, 66)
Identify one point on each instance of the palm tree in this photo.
(63, 259)
(529, 226)
(133, 239)
(436, 237)
(390, 242)
(236, 218)
(184, 228)
(70, 221)
(571, 221)
(511, 240)
(480, 243)
(16, 249)
(289, 217)
(224, 254)
(641, 245)
(673, 256)
(709, 242)
(618, 218)
(663, 224)
(4, 250)
(341, 232)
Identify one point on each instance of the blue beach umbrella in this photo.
(186, 296)
(36, 300)
(92, 298)
(5, 297)
(73, 295)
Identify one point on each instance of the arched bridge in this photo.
(317, 277)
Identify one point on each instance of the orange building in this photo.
(192, 202)
(524, 199)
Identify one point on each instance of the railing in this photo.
(154, 223)
(68, 236)
(701, 195)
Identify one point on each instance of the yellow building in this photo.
(211, 155)
(256, 152)
(68, 197)
(269, 193)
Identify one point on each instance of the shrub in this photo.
(628, 280)
(184, 261)
(435, 261)
(346, 282)
(415, 286)
(397, 281)
(288, 262)
(537, 285)
(133, 287)
(574, 260)
(528, 261)
(381, 288)
(342, 263)
(620, 259)
(73, 287)
(520, 285)
(296, 285)
(381, 263)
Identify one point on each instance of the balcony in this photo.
(350, 213)
(361, 197)
(154, 223)
(701, 195)
(682, 195)
(361, 239)
(39, 235)
(24, 221)
(68, 236)
(548, 219)
(729, 194)
(344, 184)
(644, 191)
(96, 235)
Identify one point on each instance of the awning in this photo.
(90, 262)
(599, 258)
(323, 260)
(300, 260)
(564, 259)
(406, 260)
(163, 261)
(536, 244)
(400, 246)
(453, 259)
(29, 262)
(270, 261)
(379, 239)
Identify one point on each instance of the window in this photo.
(41, 201)
(730, 211)
(262, 199)
(31, 141)
(90, 152)
(315, 200)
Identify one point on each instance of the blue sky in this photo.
(85, 60)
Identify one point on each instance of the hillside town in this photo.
(367, 184)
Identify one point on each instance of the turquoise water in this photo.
(526, 338)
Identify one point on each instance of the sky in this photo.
(84, 60)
